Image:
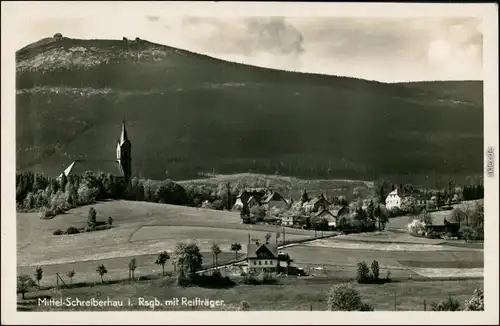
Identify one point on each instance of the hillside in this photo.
(189, 113)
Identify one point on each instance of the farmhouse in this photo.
(251, 202)
(324, 213)
(288, 220)
(244, 196)
(446, 227)
(316, 203)
(262, 257)
(120, 168)
(274, 200)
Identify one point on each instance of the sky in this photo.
(387, 49)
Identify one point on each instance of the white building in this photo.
(393, 200)
(262, 257)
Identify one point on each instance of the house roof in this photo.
(250, 199)
(269, 249)
(252, 192)
(318, 199)
(337, 209)
(79, 167)
(324, 212)
(273, 196)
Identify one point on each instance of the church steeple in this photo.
(123, 136)
(124, 153)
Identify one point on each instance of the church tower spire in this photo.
(124, 153)
(123, 136)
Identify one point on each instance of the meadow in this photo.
(139, 230)
(294, 294)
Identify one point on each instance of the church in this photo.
(121, 167)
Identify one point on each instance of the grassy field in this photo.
(330, 257)
(139, 230)
(142, 230)
(287, 295)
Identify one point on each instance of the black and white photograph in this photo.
(195, 157)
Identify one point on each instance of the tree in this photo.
(375, 269)
(305, 197)
(268, 237)
(24, 282)
(408, 204)
(457, 215)
(344, 297)
(466, 233)
(63, 181)
(110, 221)
(235, 247)
(245, 212)
(189, 261)
(475, 302)
(101, 270)
(132, 265)
(71, 274)
(363, 272)
(381, 214)
(38, 274)
(92, 217)
(215, 253)
(425, 217)
(162, 260)
(450, 304)
(382, 189)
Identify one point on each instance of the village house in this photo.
(316, 203)
(394, 199)
(444, 228)
(244, 196)
(252, 201)
(339, 212)
(262, 257)
(274, 200)
(328, 215)
(288, 220)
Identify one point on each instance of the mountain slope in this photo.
(189, 113)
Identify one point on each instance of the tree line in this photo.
(52, 196)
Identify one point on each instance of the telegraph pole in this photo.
(228, 196)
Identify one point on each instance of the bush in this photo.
(72, 230)
(416, 228)
(46, 213)
(90, 228)
(375, 269)
(450, 304)
(217, 205)
(475, 302)
(366, 307)
(344, 297)
(267, 278)
(58, 232)
(244, 305)
(433, 235)
(363, 272)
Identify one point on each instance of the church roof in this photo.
(79, 167)
(123, 136)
